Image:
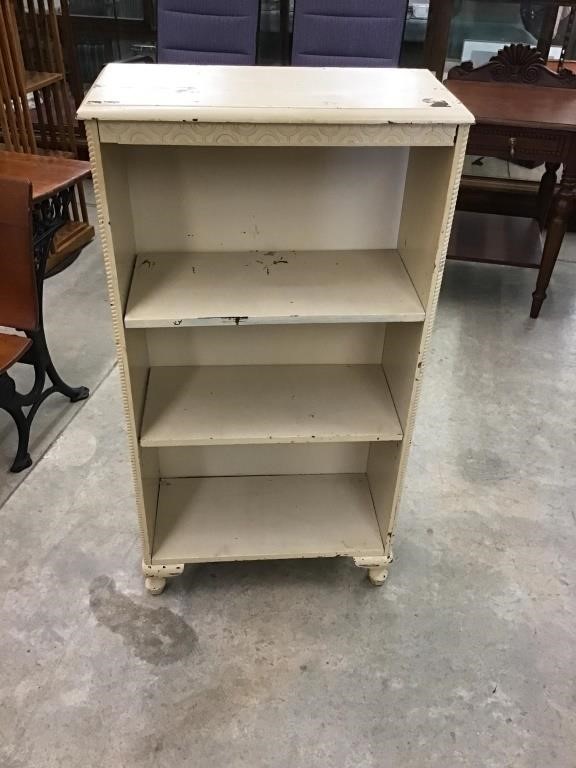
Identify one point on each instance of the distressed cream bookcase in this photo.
(274, 242)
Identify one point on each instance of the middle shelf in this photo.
(235, 405)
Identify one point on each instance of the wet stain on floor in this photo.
(481, 466)
(155, 635)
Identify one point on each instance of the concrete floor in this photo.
(466, 657)
(79, 332)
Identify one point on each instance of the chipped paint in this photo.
(436, 102)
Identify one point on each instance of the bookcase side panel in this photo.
(423, 242)
(117, 236)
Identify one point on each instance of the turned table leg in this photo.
(561, 210)
(546, 193)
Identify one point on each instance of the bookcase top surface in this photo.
(222, 94)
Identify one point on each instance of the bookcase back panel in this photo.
(228, 461)
(242, 199)
(267, 345)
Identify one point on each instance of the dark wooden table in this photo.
(53, 180)
(527, 122)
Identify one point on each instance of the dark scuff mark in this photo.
(436, 103)
(177, 322)
(231, 319)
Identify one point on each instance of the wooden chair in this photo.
(18, 302)
(32, 65)
(45, 74)
(15, 119)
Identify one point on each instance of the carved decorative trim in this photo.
(272, 135)
(460, 153)
(117, 324)
(517, 63)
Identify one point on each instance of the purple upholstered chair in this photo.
(348, 33)
(207, 31)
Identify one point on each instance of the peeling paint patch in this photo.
(436, 102)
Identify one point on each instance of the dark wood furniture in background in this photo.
(42, 59)
(523, 111)
(16, 130)
(32, 65)
(18, 302)
(91, 38)
(440, 15)
(52, 181)
(98, 28)
(437, 35)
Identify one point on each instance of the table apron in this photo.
(511, 143)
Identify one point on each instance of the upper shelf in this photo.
(271, 287)
(221, 94)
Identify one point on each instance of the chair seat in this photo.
(12, 348)
(48, 175)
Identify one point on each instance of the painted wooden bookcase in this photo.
(274, 242)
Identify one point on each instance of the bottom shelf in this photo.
(493, 238)
(266, 517)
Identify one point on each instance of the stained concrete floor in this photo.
(466, 657)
